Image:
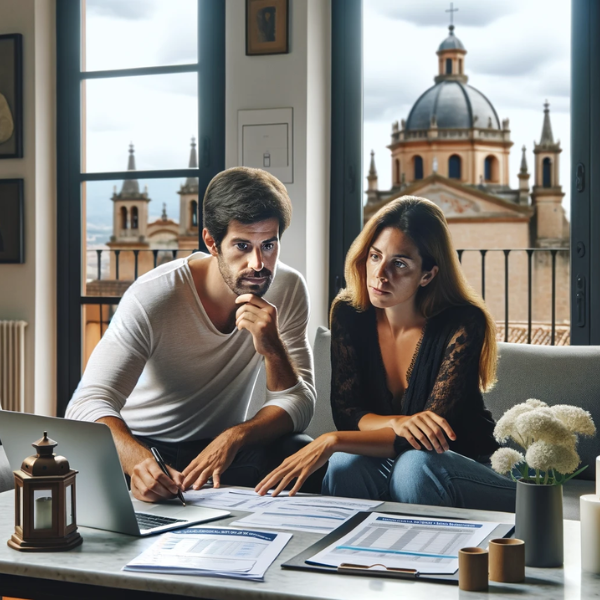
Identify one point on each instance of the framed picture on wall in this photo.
(12, 222)
(267, 27)
(11, 96)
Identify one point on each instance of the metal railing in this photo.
(166, 255)
(530, 254)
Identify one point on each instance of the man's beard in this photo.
(238, 285)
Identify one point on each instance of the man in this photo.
(177, 365)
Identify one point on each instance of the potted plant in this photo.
(548, 436)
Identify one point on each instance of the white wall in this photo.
(28, 291)
(301, 80)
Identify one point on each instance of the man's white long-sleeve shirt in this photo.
(170, 374)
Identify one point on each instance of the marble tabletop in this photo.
(99, 561)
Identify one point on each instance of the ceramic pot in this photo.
(539, 523)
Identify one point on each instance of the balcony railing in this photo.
(535, 282)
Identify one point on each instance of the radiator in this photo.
(12, 365)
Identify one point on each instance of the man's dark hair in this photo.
(245, 195)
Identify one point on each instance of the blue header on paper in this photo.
(261, 535)
(434, 523)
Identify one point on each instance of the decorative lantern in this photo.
(45, 502)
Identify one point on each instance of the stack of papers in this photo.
(221, 552)
(425, 545)
(317, 514)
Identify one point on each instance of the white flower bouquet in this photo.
(548, 435)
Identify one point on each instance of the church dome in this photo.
(454, 105)
(451, 42)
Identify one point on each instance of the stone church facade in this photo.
(454, 150)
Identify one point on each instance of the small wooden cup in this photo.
(507, 560)
(473, 569)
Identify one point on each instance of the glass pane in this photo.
(42, 509)
(158, 114)
(131, 228)
(123, 34)
(20, 501)
(69, 505)
(485, 134)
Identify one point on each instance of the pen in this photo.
(161, 463)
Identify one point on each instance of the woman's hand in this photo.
(299, 466)
(424, 429)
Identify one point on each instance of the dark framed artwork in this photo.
(11, 96)
(267, 27)
(12, 222)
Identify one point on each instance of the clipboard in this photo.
(299, 561)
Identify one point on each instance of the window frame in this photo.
(210, 69)
(346, 199)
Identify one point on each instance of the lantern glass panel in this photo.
(20, 505)
(42, 509)
(69, 505)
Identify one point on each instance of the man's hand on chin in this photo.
(259, 317)
(213, 461)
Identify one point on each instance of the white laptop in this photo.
(103, 500)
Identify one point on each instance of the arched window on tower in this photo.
(194, 213)
(448, 66)
(454, 167)
(123, 218)
(490, 169)
(134, 218)
(418, 162)
(397, 172)
(547, 173)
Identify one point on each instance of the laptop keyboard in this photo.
(148, 521)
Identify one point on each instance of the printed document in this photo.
(315, 514)
(220, 552)
(424, 544)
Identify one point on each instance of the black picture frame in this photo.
(11, 95)
(267, 27)
(12, 221)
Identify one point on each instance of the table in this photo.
(93, 571)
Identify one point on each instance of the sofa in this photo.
(556, 375)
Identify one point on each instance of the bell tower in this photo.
(188, 200)
(547, 192)
(130, 209)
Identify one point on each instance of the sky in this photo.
(518, 55)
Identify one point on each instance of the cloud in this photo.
(432, 13)
(513, 61)
(122, 9)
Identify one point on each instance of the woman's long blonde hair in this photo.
(425, 224)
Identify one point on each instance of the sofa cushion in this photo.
(555, 375)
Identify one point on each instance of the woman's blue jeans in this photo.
(420, 477)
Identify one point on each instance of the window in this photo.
(398, 176)
(454, 167)
(134, 218)
(490, 169)
(460, 66)
(194, 213)
(546, 173)
(448, 66)
(121, 78)
(418, 164)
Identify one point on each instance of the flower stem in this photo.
(537, 476)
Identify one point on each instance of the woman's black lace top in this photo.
(445, 377)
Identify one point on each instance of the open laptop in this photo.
(103, 500)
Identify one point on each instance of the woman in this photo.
(412, 348)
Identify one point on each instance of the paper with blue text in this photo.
(220, 552)
(427, 545)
